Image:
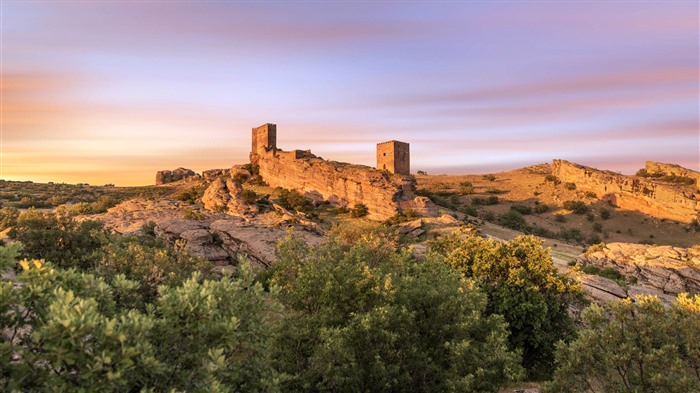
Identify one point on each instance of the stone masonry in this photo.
(395, 157)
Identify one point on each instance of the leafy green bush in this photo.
(363, 323)
(249, 196)
(513, 220)
(491, 200)
(552, 179)
(489, 177)
(466, 187)
(522, 209)
(541, 208)
(359, 210)
(570, 186)
(8, 217)
(61, 239)
(604, 213)
(633, 347)
(294, 200)
(71, 331)
(576, 207)
(522, 285)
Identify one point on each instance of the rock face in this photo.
(657, 269)
(383, 193)
(165, 177)
(225, 196)
(633, 193)
(218, 238)
(653, 167)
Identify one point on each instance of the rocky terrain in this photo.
(646, 195)
(218, 237)
(663, 271)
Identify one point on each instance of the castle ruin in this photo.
(385, 191)
(394, 156)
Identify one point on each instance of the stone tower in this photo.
(394, 156)
(264, 139)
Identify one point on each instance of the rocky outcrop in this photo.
(342, 184)
(165, 177)
(655, 270)
(634, 193)
(219, 238)
(660, 168)
(225, 196)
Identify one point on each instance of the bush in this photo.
(604, 213)
(522, 285)
(249, 196)
(422, 172)
(559, 218)
(522, 209)
(571, 234)
(466, 187)
(493, 190)
(360, 322)
(576, 207)
(513, 220)
(74, 331)
(8, 217)
(358, 211)
(489, 177)
(541, 208)
(591, 194)
(469, 210)
(598, 228)
(570, 186)
(63, 240)
(633, 347)
(491, 200)
(294, 200)
(552, 179)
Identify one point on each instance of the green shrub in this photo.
(541, 208)
(591, 194)
(8, 217)
(249, 196)
(466, 187)
(559, 218)
(576, 207)
(366, 318)
(513, 220)
(570, 186)
(522, 209)
(358, 211)
(522, 285)
(294, 200)
(552, 179)
(489, 177)
(604, 213)
(631, 346)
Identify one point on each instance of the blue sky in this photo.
(110, 92)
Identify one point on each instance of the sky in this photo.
(112, 91)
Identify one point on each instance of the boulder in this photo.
(665, 269)
(165, 177)
(225, 196)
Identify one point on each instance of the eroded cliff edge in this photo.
(634, 193)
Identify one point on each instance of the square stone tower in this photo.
(394, 156)
(264, 139)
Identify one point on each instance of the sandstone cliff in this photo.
(633, 193)
(383, 193)
(663, 271)
(672, 170)
(164, 177)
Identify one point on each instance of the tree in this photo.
(633, 347)
(64, 330)
(60, 239)
(364, 317)
(522, 285)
